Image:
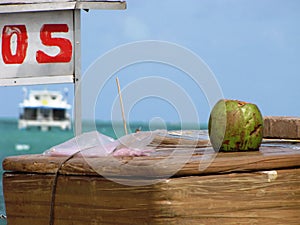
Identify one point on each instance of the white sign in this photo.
(36, 44)
(32, 1)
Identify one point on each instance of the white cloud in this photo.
(135, 29)
(275, 36)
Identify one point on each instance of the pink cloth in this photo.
(94, 144)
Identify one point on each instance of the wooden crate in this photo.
(260, 187)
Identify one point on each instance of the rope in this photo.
(54, 185)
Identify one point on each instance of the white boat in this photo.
(44, 109)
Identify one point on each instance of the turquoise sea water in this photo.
(34, 141)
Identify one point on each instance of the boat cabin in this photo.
(44, 109)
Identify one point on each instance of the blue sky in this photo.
(252, 47)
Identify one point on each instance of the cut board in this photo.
(282, 127)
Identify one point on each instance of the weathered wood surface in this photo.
(48, 1)
(15, 6)
(163, 162)
(190, 184)
(282, 127)
(237, 198)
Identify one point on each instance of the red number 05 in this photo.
(64, 45)
(21, 44)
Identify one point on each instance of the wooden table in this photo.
(258, 187)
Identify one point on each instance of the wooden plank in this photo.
(4, 2)
(282, 127)
(19, 6)
(36, 80)
(154, 166)
(105, 5)
(15, 8)
(236, 198)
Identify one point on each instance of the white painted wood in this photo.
(37, 80)
(30, 67)
(47, 5)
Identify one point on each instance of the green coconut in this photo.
(235, 126)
